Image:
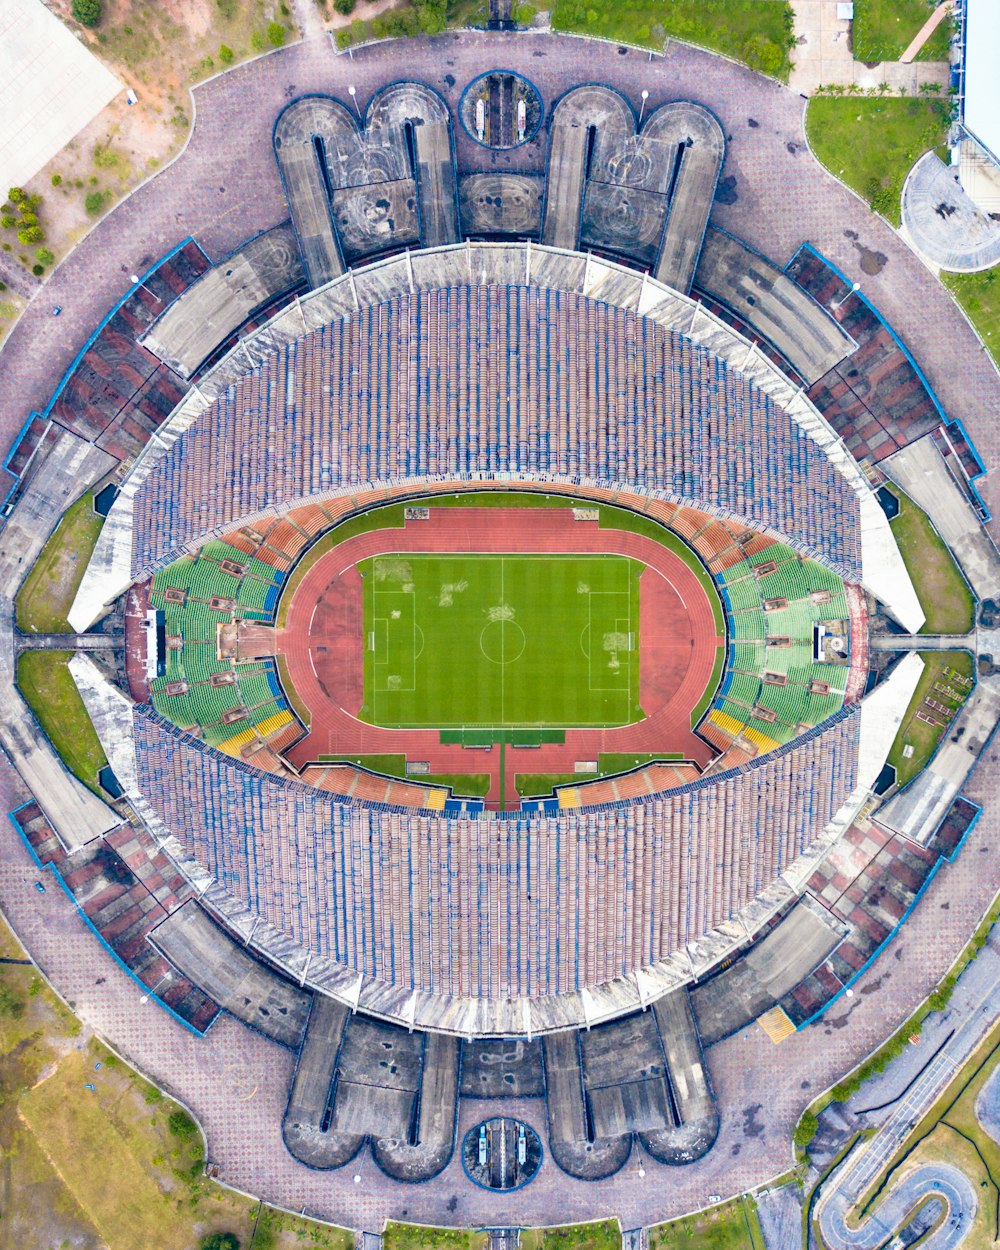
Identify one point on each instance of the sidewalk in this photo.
(822, 56)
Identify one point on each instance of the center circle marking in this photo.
(502, 641)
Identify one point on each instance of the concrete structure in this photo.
(920, 470)
(611, 1082)
(646, 195)
(51, 86)
(200, 320)
(943, 222)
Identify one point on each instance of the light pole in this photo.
(642, 107)
(853, 291)
(353, 93)
(135, 280)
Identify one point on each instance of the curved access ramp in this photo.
(589, 125)
(644, 195)
(696, 1116)
(436, 1117)
(691, 146)
(774, 306)
(413, 118)
(574, 1146)
(307, 1128)
(313, 136)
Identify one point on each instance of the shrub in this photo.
(30, 234)
(805, 1131)
(86, 12)
(15, 195)
(11, 1007)
(344, 38)
(38, 270)
(44, 257)
(94, 202)
(257, 41)
(28, 219)
(275, 34)
(344, 7)
(219, 1241)
(181, 1124)
(227, 8)
(8, 222)
(56, 179)
(226, 54)
(105, 157)
(761, 54)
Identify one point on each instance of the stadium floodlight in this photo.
(353, 93)
(642, 107)
(137, 281)
(853, 291)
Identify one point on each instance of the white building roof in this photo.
(982, 82)
(50, 88)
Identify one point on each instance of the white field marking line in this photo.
(562, 555)
(312, 615)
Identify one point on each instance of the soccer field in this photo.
(501, 641)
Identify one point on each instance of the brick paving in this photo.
(221, 189)
(236, 1081)
(225, 186)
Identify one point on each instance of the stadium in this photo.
(507, 633)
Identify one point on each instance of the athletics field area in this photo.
(483, 644)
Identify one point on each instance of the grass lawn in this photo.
(597, 1235)
(501, 641)
(916, 733)
(119, 1166)
(883, 30)
(47, 686)
(870, 143)
(541, 785)
(424, 1237)
(979, 295)
(730, 1226)
(943, 592)
(755, 31)
(50, 587)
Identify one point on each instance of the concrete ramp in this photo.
(778, 309)
(920, 470)
(213, 308)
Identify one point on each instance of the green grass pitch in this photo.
(501, 641)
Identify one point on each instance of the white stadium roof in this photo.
(50, 88)
(982, 82)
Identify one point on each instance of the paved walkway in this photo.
(225, 186)
(237, 1082)
(822, 56)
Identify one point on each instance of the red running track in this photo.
(323, 642)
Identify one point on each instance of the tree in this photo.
(344, 7)
(86, 12)
(31, 234)
(8, 221)
(275, 34)
(219, 1241)
(94, 202)
(45, 257)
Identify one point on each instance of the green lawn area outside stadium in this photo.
(501, 641)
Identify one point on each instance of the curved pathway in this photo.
(894, 1211)
(225, 187)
